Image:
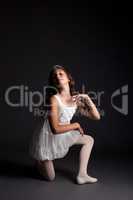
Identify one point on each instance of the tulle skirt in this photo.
(45, 145)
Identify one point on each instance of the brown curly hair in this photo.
(53, 81)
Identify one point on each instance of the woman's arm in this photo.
(93, 113)
(54, 120)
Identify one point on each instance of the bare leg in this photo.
(46, 169)
(87, 142)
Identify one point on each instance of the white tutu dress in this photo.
(48, 146)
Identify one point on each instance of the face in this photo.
(61, 76)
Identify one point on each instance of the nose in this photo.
(59, 76)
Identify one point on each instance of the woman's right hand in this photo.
(80, 129)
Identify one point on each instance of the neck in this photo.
(65, 91)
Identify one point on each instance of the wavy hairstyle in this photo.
(54, 85)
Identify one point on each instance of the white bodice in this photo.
(65, 112)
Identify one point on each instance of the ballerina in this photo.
(57, 134)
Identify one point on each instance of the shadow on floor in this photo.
(19, 170)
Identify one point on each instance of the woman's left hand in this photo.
(75, 97)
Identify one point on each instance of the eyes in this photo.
(60, 74)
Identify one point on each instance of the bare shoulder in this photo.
(53, 99)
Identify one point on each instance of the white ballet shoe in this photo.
(85, 179)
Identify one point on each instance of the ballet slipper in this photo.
(82, 179)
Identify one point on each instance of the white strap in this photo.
(58, 98)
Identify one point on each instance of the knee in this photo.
(90, 140)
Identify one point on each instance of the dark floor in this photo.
(19, 179)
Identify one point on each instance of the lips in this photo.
(61, 79)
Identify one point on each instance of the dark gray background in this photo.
(91, 39)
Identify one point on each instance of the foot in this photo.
(82, 179)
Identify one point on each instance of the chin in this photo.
(62, 82)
